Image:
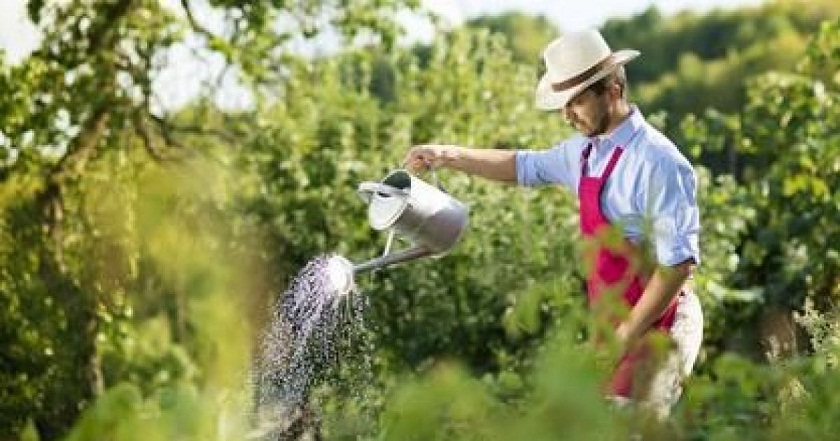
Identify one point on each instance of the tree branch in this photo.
(148, 142)
(111, 15)
(193, 22)
(82, 148)
(167, 128)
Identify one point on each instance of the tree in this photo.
(85, 98)
(526, 35)
(787, 135)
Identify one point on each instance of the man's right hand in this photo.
(497, 165)
(426, 156)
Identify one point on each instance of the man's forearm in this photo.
(494, 164)
(663, 285)
(498, 165)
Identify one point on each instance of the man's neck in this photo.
(620, 113)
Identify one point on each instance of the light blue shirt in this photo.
(652, 188)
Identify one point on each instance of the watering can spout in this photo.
(340, 271)
(391, 259)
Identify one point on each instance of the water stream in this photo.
(315, 327)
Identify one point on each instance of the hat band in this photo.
(607, 62)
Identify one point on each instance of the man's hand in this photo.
(626, 337)
(425, 156)
(665, 283)
(493, 164)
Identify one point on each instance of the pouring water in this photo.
(313, 315)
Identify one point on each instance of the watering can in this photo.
(403, 204)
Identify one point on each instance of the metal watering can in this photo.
(405, 205)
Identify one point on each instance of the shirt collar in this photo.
(622, 134)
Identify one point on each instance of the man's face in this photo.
(588, 112)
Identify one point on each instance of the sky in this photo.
(571, 14)
(18, 36)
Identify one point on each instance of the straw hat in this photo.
(574, 62)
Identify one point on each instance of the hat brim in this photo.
(547, 99)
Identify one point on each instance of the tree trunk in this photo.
(77, 376)
(779, 334)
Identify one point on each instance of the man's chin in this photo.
(582, 129)
(591, 133)
(587, 131)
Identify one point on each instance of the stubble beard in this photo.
(601, 121)
(597, 125)
(597, 128)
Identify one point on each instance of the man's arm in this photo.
(497, 165)
(663, 285)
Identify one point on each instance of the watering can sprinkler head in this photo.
(340, 275)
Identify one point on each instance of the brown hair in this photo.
(618, 76)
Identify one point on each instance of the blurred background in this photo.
(167, 167)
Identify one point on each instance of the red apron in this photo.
(615, 267)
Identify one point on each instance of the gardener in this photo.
(629, 178)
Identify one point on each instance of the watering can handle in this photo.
(367, 189)
(430, 166)
(435, 179)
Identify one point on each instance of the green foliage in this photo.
(694, 61)
(788, 133)
(177, 412)
(141, 252)
(448, 404)
(527, 35)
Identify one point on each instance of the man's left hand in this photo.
(625, 336)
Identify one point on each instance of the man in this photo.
(628, 177)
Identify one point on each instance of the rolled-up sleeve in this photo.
(543, 167)
(672, 207)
